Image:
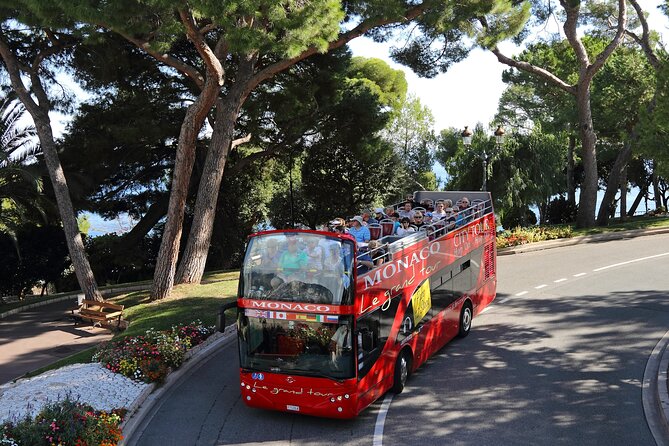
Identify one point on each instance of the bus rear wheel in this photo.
(402, 366)
(466, 315)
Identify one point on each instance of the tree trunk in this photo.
(571, 187)
(588, 199)
(637, 201)
(657, 194)
(75, 243)
(614, 179)
(40, 114)
(163, 276)
(194, 259)
(623, 194)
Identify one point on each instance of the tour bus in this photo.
(320, 334)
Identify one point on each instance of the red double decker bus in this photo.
(322, 331)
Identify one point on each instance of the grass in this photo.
(186, 304)
(635, 223)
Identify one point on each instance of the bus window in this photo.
(309, 268)
(296, 346)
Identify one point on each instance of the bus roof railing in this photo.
(480, 205)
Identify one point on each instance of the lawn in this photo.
(186, 304)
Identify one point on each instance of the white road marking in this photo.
(559, 280)
(631, 261)
(381, 420)
(579, 274)
(522, 293)
(499, 302)
(543, 285)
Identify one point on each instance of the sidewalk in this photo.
(40, 336)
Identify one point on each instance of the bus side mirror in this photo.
(220, 320)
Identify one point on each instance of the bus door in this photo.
(375, 359)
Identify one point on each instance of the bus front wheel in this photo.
(402, 366)
(466, 315)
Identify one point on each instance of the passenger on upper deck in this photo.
(365, 262)
(406, 211)
(315, 254)
(293, 260)
(404, 228)
(465, 210)
(358, 231)
(419, 220)
(439, 212)
(379, 215)
(377, 252)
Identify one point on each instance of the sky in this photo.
(469, 92)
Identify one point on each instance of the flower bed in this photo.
(521, 236)
(150, 357)
(65, 423)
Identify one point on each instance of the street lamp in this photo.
(467, 137)
(499, 140)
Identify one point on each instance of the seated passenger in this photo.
(368, 219)
(365, 263)
(439, 212)
(404, 228)
(377, 252)
(314, 253)
(419, 220)
(450, 218)
(465, 210)
(358, 231)
(406, 211)
(293, 260)
(379, 215)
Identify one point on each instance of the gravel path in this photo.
(89, 383)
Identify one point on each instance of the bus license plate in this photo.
(293, 408)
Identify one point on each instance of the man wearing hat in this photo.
(358, 231)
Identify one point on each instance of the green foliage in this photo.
(410, 134)
(559, 210)
(36, 255)
(112, 262)
(442, 34)
(65, 422)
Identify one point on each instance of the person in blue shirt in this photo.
(358, 231)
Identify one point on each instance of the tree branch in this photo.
(644, 40)
(240, 141)
(613, 44)
(14, 69)
(533, 69)
(343, 39)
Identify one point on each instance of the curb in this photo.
(147, 404)
(654, 392)
(593, 238)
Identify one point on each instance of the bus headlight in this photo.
(332, 400)
(339, 398)
(347, 396)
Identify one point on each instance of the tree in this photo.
(581, 91)
(516, 182)
(410, 134)
(25, 56)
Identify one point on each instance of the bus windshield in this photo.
(301, 267)
(304, 345)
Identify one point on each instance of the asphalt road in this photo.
(557, 359)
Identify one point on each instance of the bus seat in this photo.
(387, 227)
(375, 231)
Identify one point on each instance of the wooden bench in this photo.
(98, 312)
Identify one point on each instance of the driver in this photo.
(340, 342)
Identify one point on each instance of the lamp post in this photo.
(499, 140)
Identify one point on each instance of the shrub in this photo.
(559, 210)
(521, 236)
(65, 423)
(150, 357)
